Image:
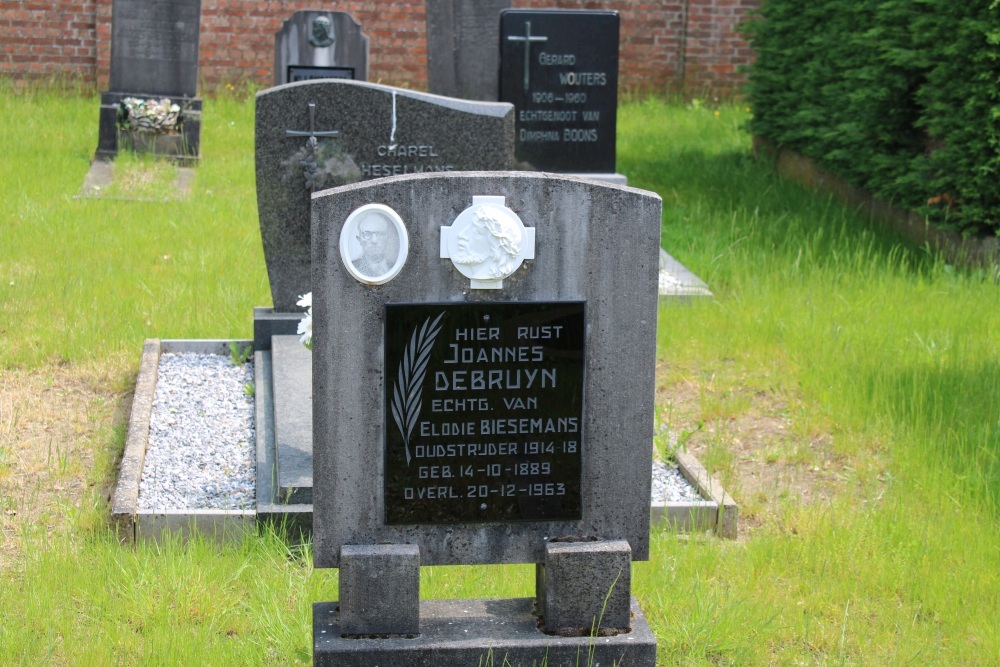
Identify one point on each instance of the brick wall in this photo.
(671, 46)
(48, 39)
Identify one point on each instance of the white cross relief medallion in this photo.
(487, 242)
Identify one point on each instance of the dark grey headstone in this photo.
(154, 47)
(380, 131)
(594, 243)
(154, 54)
(320, 45)
(462, 56)
(559, 68)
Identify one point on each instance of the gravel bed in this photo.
(670, 486)
(200, 453)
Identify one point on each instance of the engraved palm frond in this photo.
(409, 387)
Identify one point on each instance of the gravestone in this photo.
(314, 135)
(154, 55)
(490, 401)
(462, 58)
(559, 68)
(320, 45)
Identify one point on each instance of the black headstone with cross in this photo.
(559, 68)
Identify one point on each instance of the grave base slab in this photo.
(479, 632)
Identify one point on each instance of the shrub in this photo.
(900, 97)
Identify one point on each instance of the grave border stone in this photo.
(719, 514)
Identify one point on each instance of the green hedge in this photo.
(900, 97)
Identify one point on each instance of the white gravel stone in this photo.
(200, 453)
(670, 486)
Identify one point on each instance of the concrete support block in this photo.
(380, 589)
(585, 587)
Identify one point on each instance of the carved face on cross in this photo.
(491, 239)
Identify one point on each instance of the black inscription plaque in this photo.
(560, 71)
(483, 412)
(310, 72)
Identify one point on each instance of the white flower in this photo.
(305, 329)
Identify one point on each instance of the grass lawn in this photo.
(843, 384)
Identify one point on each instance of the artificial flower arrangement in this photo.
(306, 323)
(151, 116)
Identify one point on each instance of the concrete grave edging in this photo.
(719, 514)
(134, 525)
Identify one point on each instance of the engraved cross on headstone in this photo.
(527, 39)
(312, 132)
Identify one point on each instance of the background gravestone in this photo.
(462, 58)
(320, 45)
(377, 131)
(320, 134)
(559, 68)
(450, 425)
(154, 54)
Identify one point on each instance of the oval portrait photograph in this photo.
(374, 244)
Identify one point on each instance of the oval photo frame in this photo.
(374, 244)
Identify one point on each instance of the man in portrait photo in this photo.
(322, 33)
(489, 244)
(379, 246)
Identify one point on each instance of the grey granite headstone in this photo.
(314, 135)
(463, 59)
(154, 47)
(594, 243)
(320, 44)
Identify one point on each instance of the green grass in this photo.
(84, 278)
(891, 351)
(857, 337)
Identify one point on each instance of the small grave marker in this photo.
(320, 45)
(154, 55)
